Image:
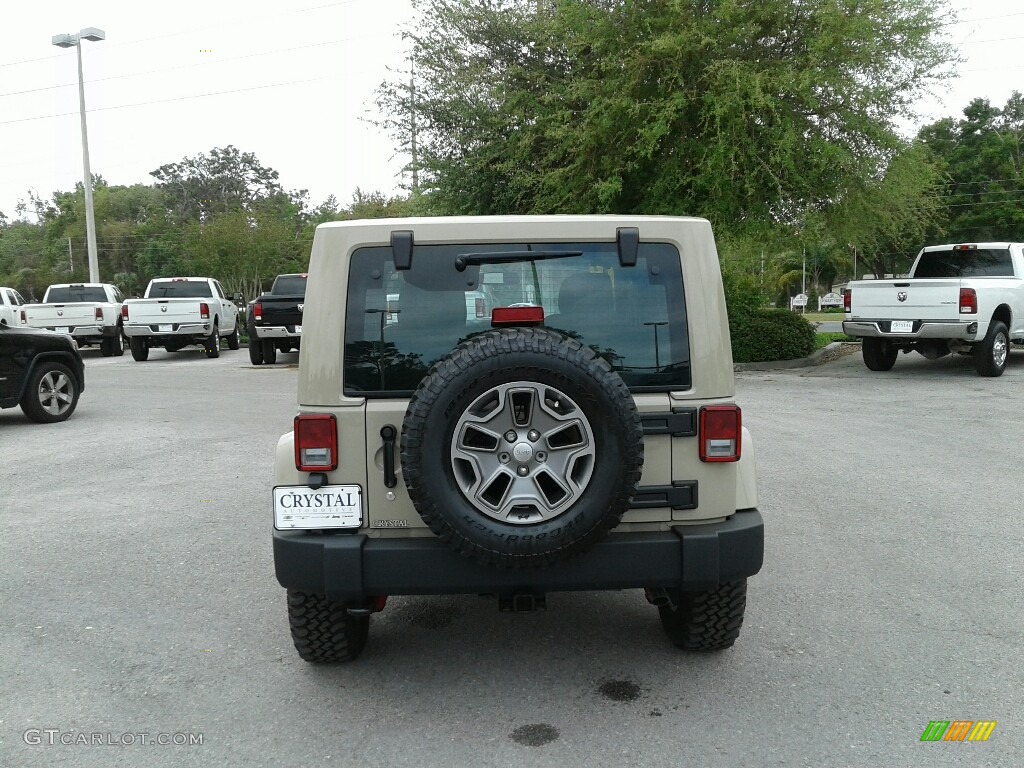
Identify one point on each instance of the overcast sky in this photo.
(291, 81)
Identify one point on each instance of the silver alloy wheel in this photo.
(523, 452)
(999, 349)
(56, 393)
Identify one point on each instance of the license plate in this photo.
(298, 329)
(902, 326)
(62, 329)
(165, 328)
(332, 506)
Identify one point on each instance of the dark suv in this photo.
(41, 371)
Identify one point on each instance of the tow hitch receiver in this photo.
(523, 602)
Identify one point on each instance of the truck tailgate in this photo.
(281, 310)
(905, 299)
(162, 311)
(52, 315)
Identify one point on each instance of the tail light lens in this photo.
(99, 314)
(968, 301)
(721, 431)
(480, 308)
(257, 311)
(316, 442)
(847, 300)
(204, 311)
(24, 317)
(124, 311)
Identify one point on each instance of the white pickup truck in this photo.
(965, 298)
(10, 307)
(89, 312)
(178, 312)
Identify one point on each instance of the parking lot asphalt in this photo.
(138, 596)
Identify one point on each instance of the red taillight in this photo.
(847, 300)
(24, 318)
(480, 308)
(257, 311)
(99, 314)
(204, 310)
(968, 301)
(517, 316)
(316, 442)
(720, 433)
(124, 311)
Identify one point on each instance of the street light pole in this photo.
(657, 351)
(69, 41)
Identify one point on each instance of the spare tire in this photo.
(521, 448)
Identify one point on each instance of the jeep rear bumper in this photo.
(353, 567)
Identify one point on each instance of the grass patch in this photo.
(824, 317)
(822, 340)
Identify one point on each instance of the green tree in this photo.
(742, 112)
(224, 180)
(982, 155)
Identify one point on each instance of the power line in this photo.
(983, 18)
(165, 101)
(198, 64)
(250, 19)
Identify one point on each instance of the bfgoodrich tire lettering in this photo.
(322, 630)
(531, 536)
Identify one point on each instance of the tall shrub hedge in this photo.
(770, 334)
(758, 332)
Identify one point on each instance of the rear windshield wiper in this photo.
(464, 260)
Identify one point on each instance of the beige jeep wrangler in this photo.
(582, 434)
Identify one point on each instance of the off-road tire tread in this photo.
(706, 621)
(322, 630)
(440, 378)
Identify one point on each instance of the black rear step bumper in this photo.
(353, 567)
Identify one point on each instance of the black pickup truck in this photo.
(275, 319)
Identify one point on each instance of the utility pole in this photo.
(803, 278)
(71, 259)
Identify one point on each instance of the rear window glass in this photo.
(983, 262)
(400, 322)
(289, 285)
(186, 289)
(72, 294)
